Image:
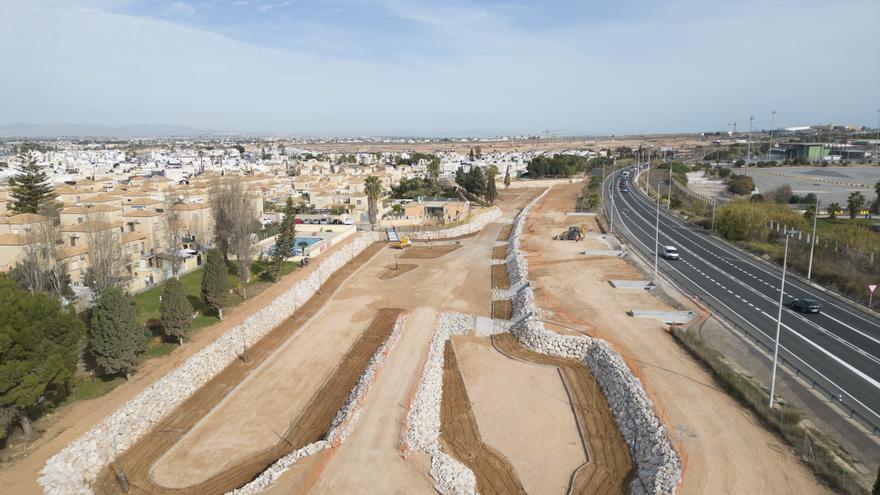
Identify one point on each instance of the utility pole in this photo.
(749, 152)
(788, 235)
(813, 239)
(669, 199)
(772, 123)
(611, 223)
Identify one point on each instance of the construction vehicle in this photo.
(574, 233)
(403, 243)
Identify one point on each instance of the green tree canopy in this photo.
(284, 240)
(29, 188)
(556, 166)
(116, 340)
(40, 345)
(215, 282)
(373, 188)
(854, 204)
(175, 312)
(491, 191)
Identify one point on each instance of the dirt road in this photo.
(724, 447)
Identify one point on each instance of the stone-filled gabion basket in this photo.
(423, 418)
(658, 465)
(73, 469)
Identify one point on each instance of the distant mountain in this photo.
(35, 131)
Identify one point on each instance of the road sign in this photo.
(871, 288)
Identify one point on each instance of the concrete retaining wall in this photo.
(658, 465)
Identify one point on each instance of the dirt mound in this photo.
(396, 271)
(502, 309)
(500, 279)
(609, 467)
(460, 436)
(428, 253)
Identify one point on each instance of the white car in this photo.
(669, 252)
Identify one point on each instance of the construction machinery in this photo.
(403, 243)
(574, 233)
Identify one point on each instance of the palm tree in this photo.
(854, 204)
(434, 171)
(373, 188)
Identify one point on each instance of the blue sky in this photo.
(386, 67)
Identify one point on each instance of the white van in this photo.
(669, 252)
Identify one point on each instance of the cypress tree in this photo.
(29, 188)
(215, 284)
(175, 310)
(116, 340)
(284, 241)
(491, 192)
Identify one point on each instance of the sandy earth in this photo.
(20, 477)
(522, 410)
(724, 447)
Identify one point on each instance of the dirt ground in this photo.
(67, 424)
(502, 309)
(724, 447)
(428, 253)
(397, 270)
(609, 466)
(460, 434)
(500, 252)
(500, 278)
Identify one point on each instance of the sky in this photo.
(440, 68)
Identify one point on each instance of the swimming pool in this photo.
(297, 245)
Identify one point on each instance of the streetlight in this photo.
(657, 232)
(749, 152)
(813, 238)
(772, 123)
(714, 200)
(788, 235)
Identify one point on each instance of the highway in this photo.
(837, 349)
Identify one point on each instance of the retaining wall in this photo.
(423, 418)
(658, 465)
(74, 469)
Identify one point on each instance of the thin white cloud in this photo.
(182, 8)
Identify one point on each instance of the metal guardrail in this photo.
(844, 401)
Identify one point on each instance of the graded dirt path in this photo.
(460, 435)
(427, 253)
(397, 270)
(724, 447)
(609, 466)
(20, 477)
(370, 460)
(309, 426)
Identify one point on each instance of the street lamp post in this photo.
(772, 123)
(749, 152)
(788, 235)
(813, 238)
(657, 233)
(669, 199)
(714, 200)
(611, 224)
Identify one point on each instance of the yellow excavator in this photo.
(403, 243)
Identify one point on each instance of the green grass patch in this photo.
(162, 349)
(783, 420)
(92, 387)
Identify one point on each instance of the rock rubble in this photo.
(423, 419)
(658, 465)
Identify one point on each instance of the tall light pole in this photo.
(788, 235)
(669, 199)
(772, 123)
(714, 200)
(657, 233)
(813, 238)
(611, 224)
(749, 152)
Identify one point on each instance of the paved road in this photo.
(838, 348)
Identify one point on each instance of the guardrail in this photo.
(845, 402)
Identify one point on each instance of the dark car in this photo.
(806, 306)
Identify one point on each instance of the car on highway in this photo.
(625, 175)
(805, 306)
(669, 252)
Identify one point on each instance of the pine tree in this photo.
(284, 241)
(40, 345)
(175, 310)
(215, 284)
(29, 188)
(116, 340)
(491, 192)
